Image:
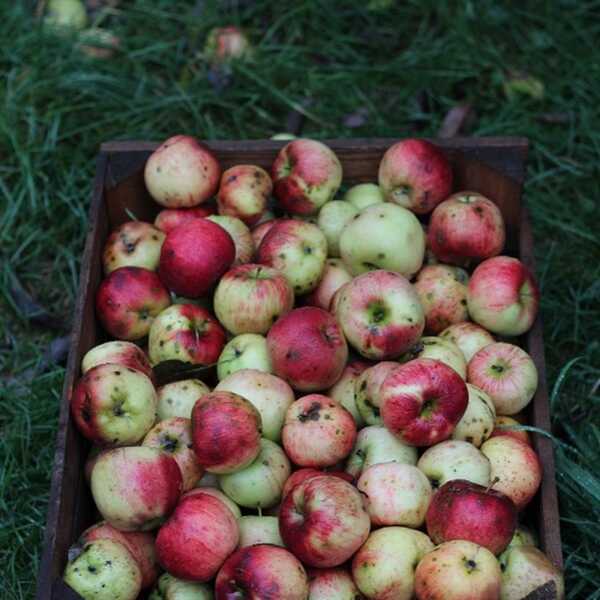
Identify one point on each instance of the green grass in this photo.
(58, 105)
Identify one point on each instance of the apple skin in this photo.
(250, 298)
(367, 391)
(363, 195)
(507, 373)
(182, 173)
(169, 218)
(118, 353)
(216, 493)
(139, 543)
(506, 422)
(65, 14)
(422, 401)
(466, 226)
(525, 569)
(177, 399)
(187, 333)
(104, 570)
(269, 394)
(306, 174)
(259, 231)
(380, 314)
(296, 248)
(440, 349)
(442, 291)
(225, 432)
(128, 300)
(241, 236)
(92, 458)
(415, 174)
(458, 570)
(375, 445)
(396, 494)
(224, 44)
(114, 405)
(332, 584)
(469, 337)
(383, 236)
(135, 487)
(384, 568)
(262, 571)
(523, 536)
(171, 588)
(197, 538)
(516, 466)
(244, 351)
(335, 275)
(301, 475)
(308, 349)
(454, 459)
(503, 296)
(462, 510)
(174, 436)
(333, 217)
(342, 390)
(259, 530)
(132, 244)
(477, 423)
(318, 432)
(323, 521)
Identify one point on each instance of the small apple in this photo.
(240, 234)
(301, 475)
(169, 218)
(259, 530)
(469, 337)
(224, 44)
(333, 217)
(215, 493)
(477, 422)
(171, 588)
(363, 195)
(335, 275)
(342, 390)
(523, 536)
(182, 172)
(306, 174)
(507, 373)
(440, 349)
(259, 231)
(332, 584)
(245, 351)
(177, 399)
(367, 391)
(118, 353)
(508, 426)
(65, 15)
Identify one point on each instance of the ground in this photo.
(351, 69)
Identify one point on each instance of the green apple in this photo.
(171, 588)
(363, 195)
(177, 399)
(478, 421)
(259, 530)
(439, 349)
(245, 351)
(333, 217)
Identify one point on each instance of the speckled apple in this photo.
(177, 399)
(240, 234)
(503, 426)
(169, 218)
(477, 423)
(367, 388)
(301, 475)
(333, 217)
(342, 390)
(335, 275)
(469, 337)
(118, 353)
(438, 348)
(244, 351)
(363, 195)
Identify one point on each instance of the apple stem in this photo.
(492, 484)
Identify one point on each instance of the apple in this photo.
(396, 494)
(523, 536)
(224, 44)
(250, 298)
(442, 291)
(507, 373)
(225, 432)
(317, 432)
(215, 493)
(128, 300)
(458, 570)
(259, 231)
(259, 530)
(342, 390)
(262, 571)
(332, 584)
(333, 217)
(169, 218)
(380, 314)
(440, 349)
(323, 522)
(171, 588)
(466, 226)
(244, 192)
(367, 391)
(197, 538)
(335, 275)
(118, 353)
(245, 351)
(384, 567)
(376, 445)
(505, 425)
(454, 459)
(469, 337)
(194, 256)
(526, 569)
(92, 458)
(187, 333)
(297, 477)
(383, 236)
(363, 195)
(516, 466)
(114, 405)
(306, 174)
(296, 248)
(182, 172)
(135, 487)
(415, 174)
(177, 399)
(503, 296)
(103, 570)
(462, 510)
(269, 394)
(260, 484)
(240, 234)
(422, 401)
(307, 349)
(477, 423)
(65, 14)
(174, 436)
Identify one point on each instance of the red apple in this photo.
(469, 337)
(415, 174)
(307, 349)
(224, 44)
(335, 275)
(241, 236)
(118, 353)
(259, 231)
(502, 426)
(323, 521)
(332, 584)
(297, 477)
(422, 401)
(215, 493)
(128, 300)
(169, 218)
(503, 296)
(343, 389)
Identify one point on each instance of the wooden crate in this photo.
(492, 166)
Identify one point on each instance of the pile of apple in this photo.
(388, 473)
